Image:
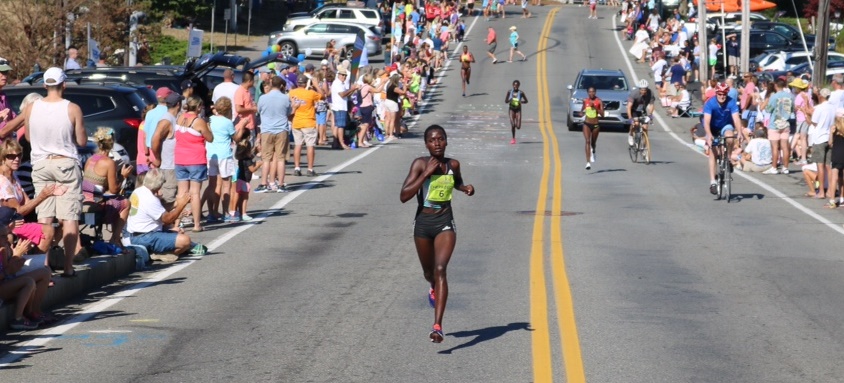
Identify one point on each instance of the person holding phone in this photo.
(100, 178)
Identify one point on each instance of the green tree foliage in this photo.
(178, 11)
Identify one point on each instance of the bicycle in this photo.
(641, 143)
(723, 168)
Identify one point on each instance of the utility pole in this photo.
(744, 44)
(821, 44)
(703, 43)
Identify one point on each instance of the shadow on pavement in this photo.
(485, 334)
(609, 171)
(741, 197)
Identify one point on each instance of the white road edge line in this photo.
(759, 183)
(45, 336)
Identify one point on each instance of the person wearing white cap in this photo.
(6, 113)
(514, 44)
(54, 128)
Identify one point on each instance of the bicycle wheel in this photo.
(720, 175)
(728, 180)
(646, 148)
(634, 150)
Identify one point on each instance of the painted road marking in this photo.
(541, 337)
(570, 343)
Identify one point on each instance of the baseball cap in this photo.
(173, 99)
(8, 215)
(163, 92)
(187, 84)
(324, 62)
(54, 76)
(825, 92)
(309, 67)
(4, 65)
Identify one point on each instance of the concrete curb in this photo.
(94, 273)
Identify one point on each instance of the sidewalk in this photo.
(94, 273)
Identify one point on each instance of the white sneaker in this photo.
(630, 140)
(588, 165)
(771, 171)
(785, 171)
(592, 157)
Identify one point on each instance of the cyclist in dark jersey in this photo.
(640, 103)
(720, 118)
(432, 180)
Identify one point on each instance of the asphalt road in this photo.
(627, 273)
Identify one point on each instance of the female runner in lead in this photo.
(432, 180)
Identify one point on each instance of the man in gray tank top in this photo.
(163, 144)
(54, 128)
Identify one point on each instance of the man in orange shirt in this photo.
(490, 40)
(303, 102)
(244, 105)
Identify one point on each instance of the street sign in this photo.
(227, 14)
(195, 43)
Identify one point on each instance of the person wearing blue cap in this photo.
(26, 288)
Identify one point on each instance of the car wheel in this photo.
(288, 48)
(572, 127)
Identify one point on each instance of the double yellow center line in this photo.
(541, 336)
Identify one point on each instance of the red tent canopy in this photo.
(735, 5)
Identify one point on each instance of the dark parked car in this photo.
(790, 32)
(760, 42)
(803, 69)
(113, 106)
(154, 77)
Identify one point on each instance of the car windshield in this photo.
(602, 82)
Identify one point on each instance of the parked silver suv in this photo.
(313, 38)
(611, 87)
(347, 14)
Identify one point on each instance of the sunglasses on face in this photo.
(12, 156)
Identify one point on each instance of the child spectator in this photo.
(246, 165)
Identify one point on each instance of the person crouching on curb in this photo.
(148, 218)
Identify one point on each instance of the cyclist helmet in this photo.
(722, 88)
(642, 84)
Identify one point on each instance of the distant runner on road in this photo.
(466, 60)
(432, 180)
(514, 99)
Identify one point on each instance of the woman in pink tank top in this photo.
(191, 133)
